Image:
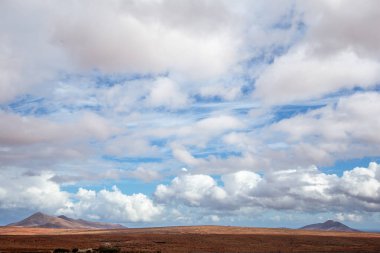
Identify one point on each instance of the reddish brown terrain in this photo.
(200, 239)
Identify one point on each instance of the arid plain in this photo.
(195, 239)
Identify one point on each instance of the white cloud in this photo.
(214, 218)
(109, 172)
(31, 192)
(37, 191)
(27, 67)
(335, 25)
(351, 195)
(195, 39)
(202, 131)
(165, 92)
(145, 175)
(143, 37)
(299, 75)
(114, 205)
(38, 141)
(241, 183)
(296, 189)
(212, 163)
(362, 184)
(213, 125)
(349, 217)
(338, 51)
(131, 146)
(339, 130)
(183, 155)
(193, 190)
(24, 130)
(9, 77)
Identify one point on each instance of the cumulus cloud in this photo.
(343, 24)
(241, 183)
(299, 75)
(166, 93)
(349, 217)
(38, 191)
(144, 37)
(193, 190)
(33, 191)
(296, 189)
(309, 189)
(343, 129)
(362, 184)
(195, 39)
(29, 140)
(27, 67)
(113, 205)
(336, 53)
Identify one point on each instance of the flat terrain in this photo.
(197, 239)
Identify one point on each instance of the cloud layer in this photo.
(299, 189)
(39, 192)
(218, 107)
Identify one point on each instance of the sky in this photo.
(162, 112)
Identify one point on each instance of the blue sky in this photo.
(152, 113)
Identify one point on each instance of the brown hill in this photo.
(41, 220)
(329, 225)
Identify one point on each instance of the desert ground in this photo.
(194, 239)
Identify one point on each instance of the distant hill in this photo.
(41, 220)
(330, 225)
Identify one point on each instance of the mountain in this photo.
(329, 225)
(41, 220)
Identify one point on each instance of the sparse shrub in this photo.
(105, 249)
(61, 251)
(141, 251)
